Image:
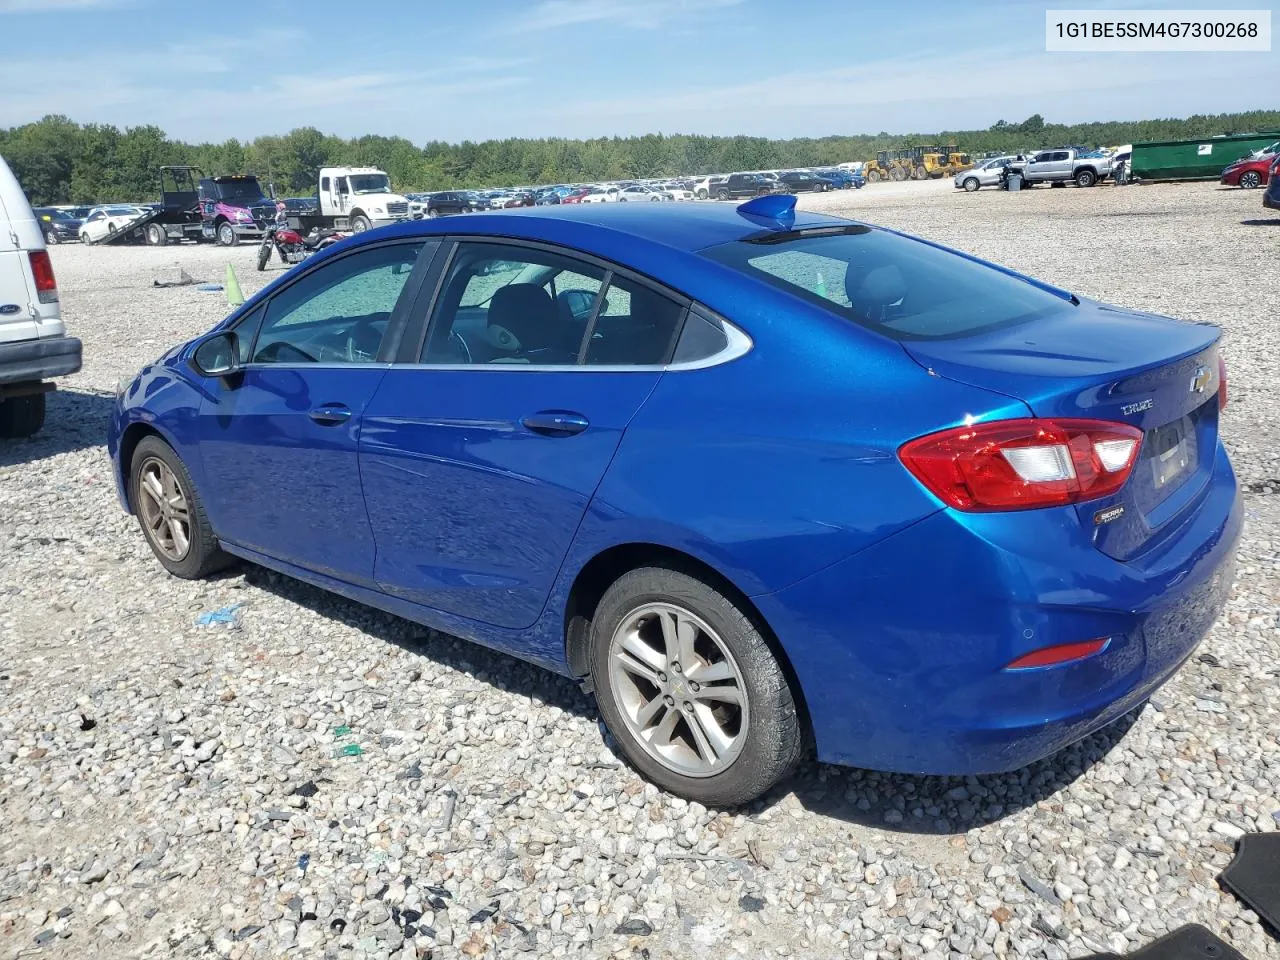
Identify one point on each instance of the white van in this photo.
(34, 345)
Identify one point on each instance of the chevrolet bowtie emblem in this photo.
(1200, 380)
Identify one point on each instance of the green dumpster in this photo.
(1195, 159)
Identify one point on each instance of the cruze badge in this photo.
(1131, 408)
(1200, 380)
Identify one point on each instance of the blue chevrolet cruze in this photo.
(765, 481)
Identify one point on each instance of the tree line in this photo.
(60, 161)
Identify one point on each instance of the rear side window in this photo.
(896, 286)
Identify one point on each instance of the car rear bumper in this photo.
(1271, 203)
(901, 650)
(32, 360)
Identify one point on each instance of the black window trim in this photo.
(411, 346)
(395, 324)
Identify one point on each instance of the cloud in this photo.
(633, 14)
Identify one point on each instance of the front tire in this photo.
(1251, 180)
(971, 184)
(21, 417)
(227, 236)
(1086, 178)
(691, 689)
(360, 223)
(51, 239)
(264, 255)
(157, 236)
(171, 513)
(722, 194)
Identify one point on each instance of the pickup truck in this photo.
(738, 185)
(1062, 166)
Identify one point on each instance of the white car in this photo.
(603, 195)
(985, 174)
(678, 193)
(103, 221)
(641, 193)
(34, 346)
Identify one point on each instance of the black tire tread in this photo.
(777, 741)
(205, 556)
(22, 416)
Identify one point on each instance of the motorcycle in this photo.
(292, 246)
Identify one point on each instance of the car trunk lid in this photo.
(1104, 363)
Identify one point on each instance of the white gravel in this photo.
(168, 789)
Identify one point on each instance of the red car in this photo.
(1248, 172)
(576, 196)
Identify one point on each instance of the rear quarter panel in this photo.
(784, 461)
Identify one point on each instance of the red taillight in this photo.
(1024, 464)
(42, 271)
(1222, 384)
(1063, 653)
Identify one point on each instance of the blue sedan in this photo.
(766, 482)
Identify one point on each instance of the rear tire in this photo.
(1086, 178)
(722, 194)
(873, 176)
(21, 416)
(51, 239)
(202, 555)
(757, 742)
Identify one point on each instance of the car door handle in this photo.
(331, 414)
(555, 423)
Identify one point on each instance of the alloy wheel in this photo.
(679, 689)
(166, 513)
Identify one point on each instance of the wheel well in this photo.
(129, 441)
(1080, 170)
(605, 568)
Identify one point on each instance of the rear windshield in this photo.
(894, 285)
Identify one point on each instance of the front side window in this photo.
(899, 287)
(339, 312)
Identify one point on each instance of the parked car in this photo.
(985, 174)
(58, 225)
(739, 185)
(1248, 172)
(801, 181)
(602, 195)
(638, 192)
(1061, 167)
(34, 346)
(104, 221)
(840, 179)
(445, 202)
(577, 196)
(521, 198)
(1016, 551)
(1271, 199)
(675, 191)
(705, 188)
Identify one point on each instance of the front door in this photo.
(480, 462)
(279, 440)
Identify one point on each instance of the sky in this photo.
(448, 70)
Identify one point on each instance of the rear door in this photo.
(22, 315)
(480, 457)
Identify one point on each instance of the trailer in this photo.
(1202, 159)
(176, 217)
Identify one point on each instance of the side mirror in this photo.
(218, 356)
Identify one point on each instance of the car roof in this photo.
(610, 230)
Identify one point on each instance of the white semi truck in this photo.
(351, 198)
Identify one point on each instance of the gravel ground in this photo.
(317, 779)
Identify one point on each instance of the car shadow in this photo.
(73, 421)
(1273, 222)
(927, 804)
